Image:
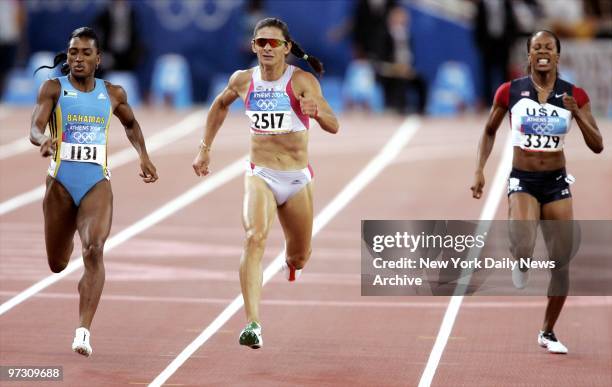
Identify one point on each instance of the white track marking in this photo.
(155, 142)
(574, 302)
(14, 148)
(391, 149)
(488, 212)
(211, 183)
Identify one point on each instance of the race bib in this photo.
(544, 134)
(270, 112)
(543, 143)
(87, 153)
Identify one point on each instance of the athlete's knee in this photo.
(255, 239)
(299, 259)
(92, 251)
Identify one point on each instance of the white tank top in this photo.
(272, 107)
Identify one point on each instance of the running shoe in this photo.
(520, 276)
(549, 340)
(251, 336)
(80, 344)
(290, 272)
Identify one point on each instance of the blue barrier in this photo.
(172, 81)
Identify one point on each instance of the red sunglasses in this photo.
(262, 42)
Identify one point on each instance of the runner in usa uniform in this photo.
(77, 108)
(541, 108)
(280, 100)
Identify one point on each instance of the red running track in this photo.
(166, 284)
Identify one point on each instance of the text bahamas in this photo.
(88, 119)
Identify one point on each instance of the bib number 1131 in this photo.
(93, 153)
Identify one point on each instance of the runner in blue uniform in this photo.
(78, 107)
(280, 100)
(541, 107)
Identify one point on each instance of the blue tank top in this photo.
(80, 123)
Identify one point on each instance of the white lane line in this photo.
(14, 148)
(391, 149)
(488, 212)
(188, 197)
(157, 141)
(575, 302)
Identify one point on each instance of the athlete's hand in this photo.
(149, 173)
(479, 182)
(570, 103)
(200, 163)
(308, 107)
(48, 147)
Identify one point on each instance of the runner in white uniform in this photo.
(541, 108)
(280, 100)
(274, 110)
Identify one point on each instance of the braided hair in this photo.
(296, 50)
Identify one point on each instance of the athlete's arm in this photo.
(216, 116)
(123, 111)
(48, 94)
(586, 123)
(485, 146)
(312, 102)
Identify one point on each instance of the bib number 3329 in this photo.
(542, 142)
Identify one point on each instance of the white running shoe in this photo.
(290, 273)
(80, 344)
(251, 336)
(519, 277)
(549, 340)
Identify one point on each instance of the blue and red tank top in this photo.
(538, 127)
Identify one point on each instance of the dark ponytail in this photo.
(313, 61)
(60, 58)
(296, 50)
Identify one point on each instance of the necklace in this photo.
(540, 88)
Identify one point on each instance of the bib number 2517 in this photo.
(268, 120)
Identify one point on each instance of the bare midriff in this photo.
(283, 152)
(537, 161)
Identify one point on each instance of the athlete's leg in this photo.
(257, 215)
(94, 220)
(295, 216)
(559, 238)
(60, 224)
(523, 213)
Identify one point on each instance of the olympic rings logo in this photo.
(207, 15)
(84, 137)
(543, 128)
(269, 104)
